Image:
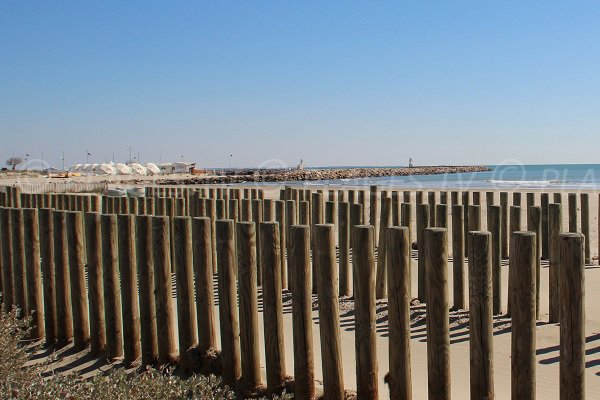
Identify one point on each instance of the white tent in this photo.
(123, 169)
(138, 169)
(152, 169)
(105, 169)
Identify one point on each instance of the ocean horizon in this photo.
(503, 176)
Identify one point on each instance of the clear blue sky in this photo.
(334, 83)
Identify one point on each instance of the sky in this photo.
(267, 83)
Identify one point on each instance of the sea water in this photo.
(505, 176)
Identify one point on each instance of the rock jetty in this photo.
(281, 175)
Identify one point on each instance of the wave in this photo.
(526, 183)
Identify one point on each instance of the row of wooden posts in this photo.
(125, 307)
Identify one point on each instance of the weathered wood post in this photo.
(316, 219)
(291, 218)
(530, 203)
(268, 210)
(211, 212)
(304, 213)
(373, 211)
(399, 376)
(280, 217)
(544, 201)
(422, 225)
(504, 223)
(329, 316)
(406, 219)
(493, 224)
(129, 291)
(395, 208)
(534, 224)
(438, 336)
(441, 212)
(93, 243)
(386, 222)
(554, 231)
(465, 203)
(489, 199)
(432, 203)
(257, 218)
(18, 259)
(573, 226)
(584, 199)
(516, 199)
(33, 273)
(249, 346)
(145, 260)
(186, 306)
(7, 256)
(522, 261)
(514, 226)
(477, 198)
(363, 261)
(112, 288)
(572, 316)
(62, 280)
(344, 247)
(272, 305)
(299, 261)
(458, 257)
(203, 273)
(356, 218)
(46, 228)
(165, 313)
(480, 315)
(228, 308)
(233, 210)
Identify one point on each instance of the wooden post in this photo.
(186, 306)
(112, 289)
(522, 261)
(554, 230)
(291, 215)
(422, 225)
(145, 260)
(557, 198)
(373, 211)
(432, 203)
(395, 208)
(494, 227)
(211, 212)
(530, 202)
(514, 226)
(33, 270)
(534, 224)
(280, 217)
(93, 242)
(344, 247)
(228, 308)
(386, 222)
(356, 218)
(399, 376)
(18, 267)
(504, 223)
(438, 336)
(304, 213)
(316, 218)
(203, 271)
(362, 200)
(64, 314)
(441, 212)
(268, 210)
(329, 317)
(46, 228)
(573, 227)
(572, 316)
(544, 201)
(406, 218)
(246, 210)
(249, 346)
(363, 261)
(7, 256)
(272, 305)
(480, 314)
(257, 218)
(465, 203)
(489, 199)
(516, 199)
(165, 314)
(299, 261)
(458, 257)
(129, 291)
(584, 198)
(477, 198)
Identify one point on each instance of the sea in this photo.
(505, 176)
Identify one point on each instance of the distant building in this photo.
(301, 165)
